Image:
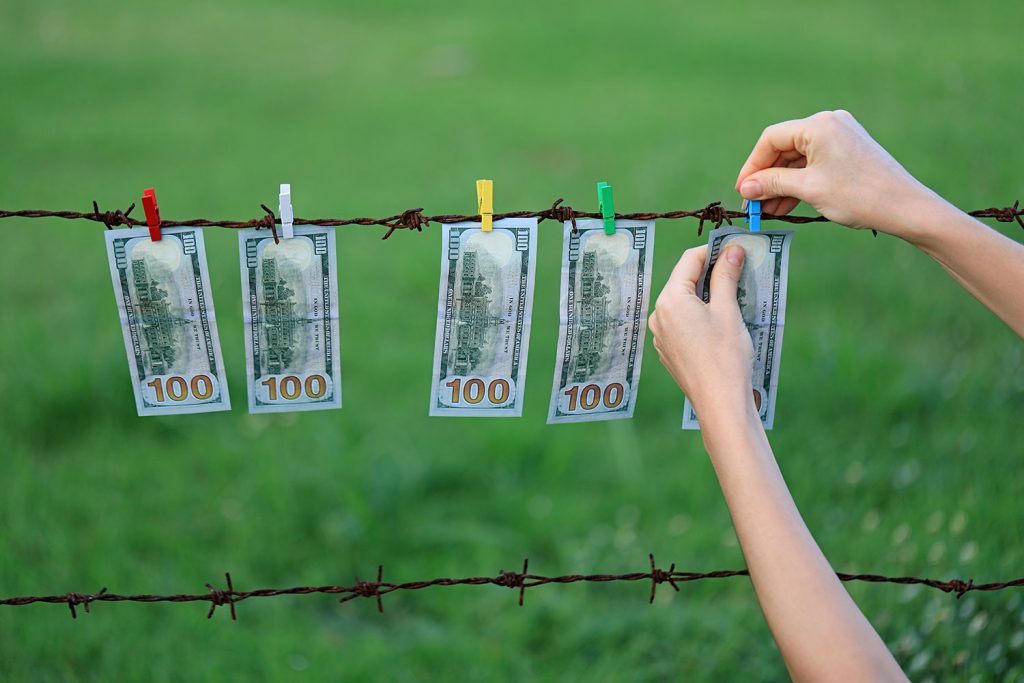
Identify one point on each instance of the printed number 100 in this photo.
(291, 387)
(473, 390)
(177, 388)
(590, 396)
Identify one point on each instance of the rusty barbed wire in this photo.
(414, 219)
(519, 581)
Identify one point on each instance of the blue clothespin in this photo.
(754, 214)
(607, 207)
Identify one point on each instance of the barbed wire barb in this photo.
(74, 599)
(219, 597)
(369, 589)
(660, 576)
(514, 580)
(270, 221)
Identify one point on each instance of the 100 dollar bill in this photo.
(170, 331)
(605, 293)
(762, 300)
(483, 318)
(290, 315)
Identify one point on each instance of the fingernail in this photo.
(751, 189)
(734, 255)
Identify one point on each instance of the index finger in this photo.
(776, 140)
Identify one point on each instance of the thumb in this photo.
(725, 276)
(774, 182)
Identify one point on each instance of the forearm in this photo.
(985, 262)
(820, 631)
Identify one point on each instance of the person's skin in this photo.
(829, 161)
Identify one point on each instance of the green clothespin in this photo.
(607, 207)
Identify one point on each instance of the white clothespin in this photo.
(285, 209)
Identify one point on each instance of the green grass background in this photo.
(900, 403)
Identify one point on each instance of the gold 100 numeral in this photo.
(472, 390)
(291, 387)
(177, 388)
(590, 396)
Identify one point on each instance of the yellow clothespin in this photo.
(485, 203)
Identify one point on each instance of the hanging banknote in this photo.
(602, 319)
(290, 315)
(762, 300)
(170, 331)
(483, 318)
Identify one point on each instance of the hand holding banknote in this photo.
(705, 346)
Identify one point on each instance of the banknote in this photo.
(483, 318)
(762, 299)
(602, 319)
(170, 331)
(290, 316)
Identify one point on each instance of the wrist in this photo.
(915, 216)
(733, 445)
(723, 417)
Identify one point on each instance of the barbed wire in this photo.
(519, 581)
(414, 219)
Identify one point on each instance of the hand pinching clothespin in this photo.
(284, 207)
(607, 207)
(152, 214)
(754, 214)
(485, 203)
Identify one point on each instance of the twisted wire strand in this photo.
(519, 581)
(415, 219)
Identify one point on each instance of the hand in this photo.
(706, 347)
(829, 161)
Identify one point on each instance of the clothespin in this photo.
(485, 204)
(607, 207)
(754, 214)
(284, 207)
(152, 214)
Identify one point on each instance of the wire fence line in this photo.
(414, 219)
(520, 581)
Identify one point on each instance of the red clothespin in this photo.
(152, 214)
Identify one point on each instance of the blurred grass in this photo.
(900, 398)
